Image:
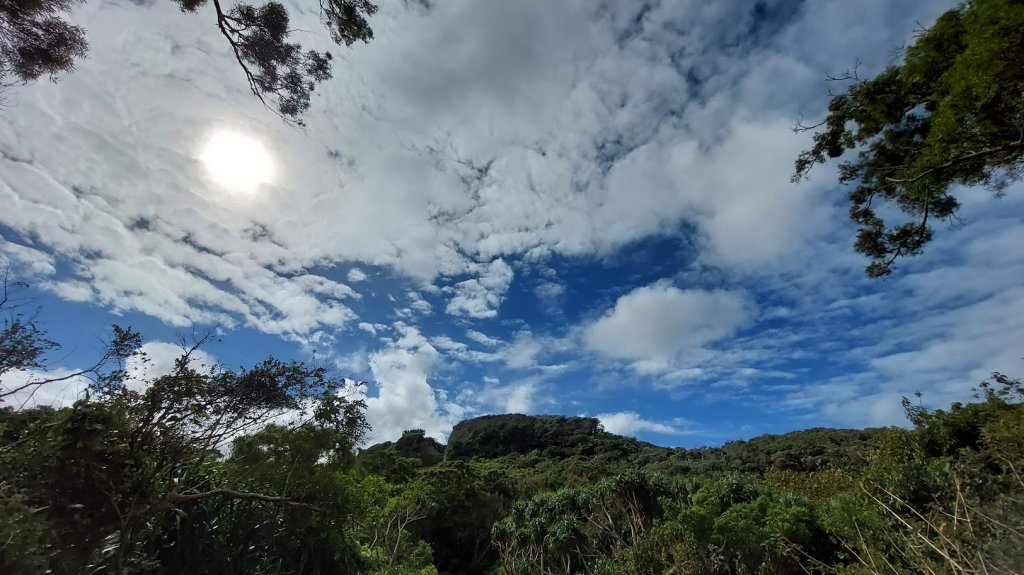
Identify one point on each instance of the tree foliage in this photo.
(497, 435)
(25, 349)
(36, 39)
(135, 472)
(210, 470)
(950, 114)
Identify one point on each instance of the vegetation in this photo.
(211, 470)
(497, 435)
(951, 113)
(36, 40)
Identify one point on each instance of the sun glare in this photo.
(236, 162)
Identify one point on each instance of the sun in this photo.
(237, 162)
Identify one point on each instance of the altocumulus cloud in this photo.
(546, 129)
(656, 324)
(460, 160)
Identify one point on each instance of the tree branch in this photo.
(921, 228)
(227, 30)
(189, 497)
(1018, 145)
(231, 27)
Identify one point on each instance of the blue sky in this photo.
(577, 207)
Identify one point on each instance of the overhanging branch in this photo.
(1018, 145)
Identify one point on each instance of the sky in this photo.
(575, 207)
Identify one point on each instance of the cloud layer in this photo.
(461, 218)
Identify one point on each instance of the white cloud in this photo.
(159, 359)
(481, 297)
(482, 338)
(580, 137)
(418, 304)
(448, 344)
(405, 398)
(356, 275)
(549, 291)
(631, 423)
(520, 398)
(70, 290)
(656, 324)
(550, 295)
(517, 397)
(355, 363)
(25, 259)
(56, 394)
(524, 349)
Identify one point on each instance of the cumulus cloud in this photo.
(418, 304)
(70, 290)
(405, 398)
(67, 389)
(631, 423)
(356, 275)
(482, 338)
(25, 259)
(480, 297)
(653, 325)
(156, 359)
(549, 291)
(521, 396)
(525, 350)
(601, 126)
(370, 328)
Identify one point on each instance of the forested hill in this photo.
(533, 438)
(496, 435)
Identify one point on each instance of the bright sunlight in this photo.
(237, 162)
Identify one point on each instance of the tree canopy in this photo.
(37, 40)
(950, 114)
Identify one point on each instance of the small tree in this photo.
(171, 432)
(114, 468)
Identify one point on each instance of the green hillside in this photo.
(176, 479)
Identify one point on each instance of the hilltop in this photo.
(518, 440)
